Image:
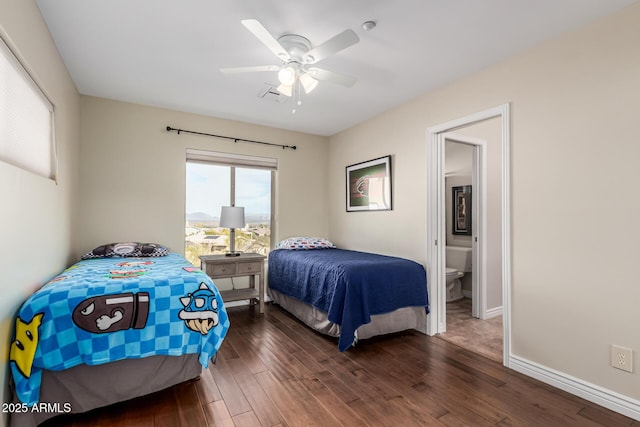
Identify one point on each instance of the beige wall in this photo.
(575, 102)
(37, 216)
(133, 173)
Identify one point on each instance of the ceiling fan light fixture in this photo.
(296, 53)
(308, 83)
(286, 90)
(287, 76)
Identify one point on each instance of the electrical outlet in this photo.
(622, 358)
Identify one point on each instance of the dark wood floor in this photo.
(273, 371)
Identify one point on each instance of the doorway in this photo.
(464, 170)
(437, 225)
(471, 279)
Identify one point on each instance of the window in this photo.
(26, 119)
(214, 180)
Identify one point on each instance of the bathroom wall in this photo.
(458, 170)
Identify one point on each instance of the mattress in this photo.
(398, 320)
(83, 387)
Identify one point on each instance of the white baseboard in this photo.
(493, 312)
(591, 392)
(490, 313)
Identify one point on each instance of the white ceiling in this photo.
(167, 53)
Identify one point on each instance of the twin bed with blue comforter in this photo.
(351, 288)
(109, 310)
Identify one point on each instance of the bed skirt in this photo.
(83, 387)
(396, 321)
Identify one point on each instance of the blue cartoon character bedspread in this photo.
(108, 309)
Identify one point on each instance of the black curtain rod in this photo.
(169, 129)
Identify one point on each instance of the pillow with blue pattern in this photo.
(305, 243)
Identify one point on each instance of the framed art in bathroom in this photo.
(369, 185)
(461, 201)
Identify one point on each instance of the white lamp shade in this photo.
(285, 90)
(287, 76)
(308, 82)
(232, 217)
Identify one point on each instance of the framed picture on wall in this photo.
(369, 185)
(461, 210)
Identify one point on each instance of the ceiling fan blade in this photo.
(266, 38)
(250, 69)
(333, 77)
(333, 45)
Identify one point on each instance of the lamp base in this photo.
(232, 254)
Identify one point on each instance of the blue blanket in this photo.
(349, 286)
(108, 309)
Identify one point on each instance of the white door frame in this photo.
(478, 224)
(436, 236)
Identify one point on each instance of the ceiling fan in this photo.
(297, 55)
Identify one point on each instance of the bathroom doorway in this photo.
(464, 159)
(490, 237)
(468, 321)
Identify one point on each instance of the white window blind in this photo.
(26, 119)
(228, 159)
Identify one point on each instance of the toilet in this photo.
(458, 263)
(454, 285)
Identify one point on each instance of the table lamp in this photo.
(232, 217)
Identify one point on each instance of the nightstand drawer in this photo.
(221, 270)
(247, 264)
(248, 267)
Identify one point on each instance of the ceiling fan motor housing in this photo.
(297, 47)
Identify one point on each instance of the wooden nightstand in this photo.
(249, 264)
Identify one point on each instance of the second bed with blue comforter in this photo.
(349, 286)
(108, 309)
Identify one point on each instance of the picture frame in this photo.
(369, 185)
(461, 216)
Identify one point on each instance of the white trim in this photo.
(591, 392)
(489, 313)
(434, 251)
(230, 159)
(435, 228)
(506, 232)
(492, 312)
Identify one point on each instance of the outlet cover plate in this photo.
(622, 358)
